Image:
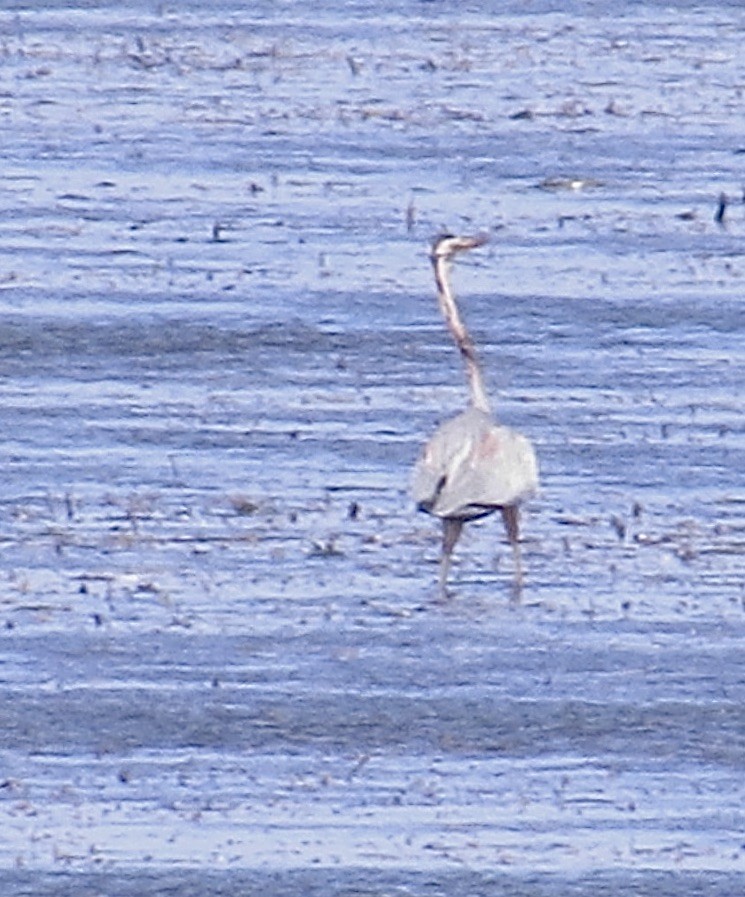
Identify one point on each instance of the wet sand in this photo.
(223, 666)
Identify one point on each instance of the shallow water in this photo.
(223, 668)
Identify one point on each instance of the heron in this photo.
(471, 466)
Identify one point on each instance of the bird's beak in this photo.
(472, 242)
(447, 246)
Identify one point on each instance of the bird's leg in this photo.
(510, 515)
(451, 530)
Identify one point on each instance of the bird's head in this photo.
(446, 245)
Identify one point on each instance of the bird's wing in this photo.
(471, 466)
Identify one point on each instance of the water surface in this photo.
(223, 668)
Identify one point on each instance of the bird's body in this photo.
(471, 466)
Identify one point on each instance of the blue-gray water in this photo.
(223, 670)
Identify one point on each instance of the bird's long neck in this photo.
(449, 309)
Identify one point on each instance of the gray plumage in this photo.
(471, 466)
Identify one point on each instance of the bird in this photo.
(471, 466)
